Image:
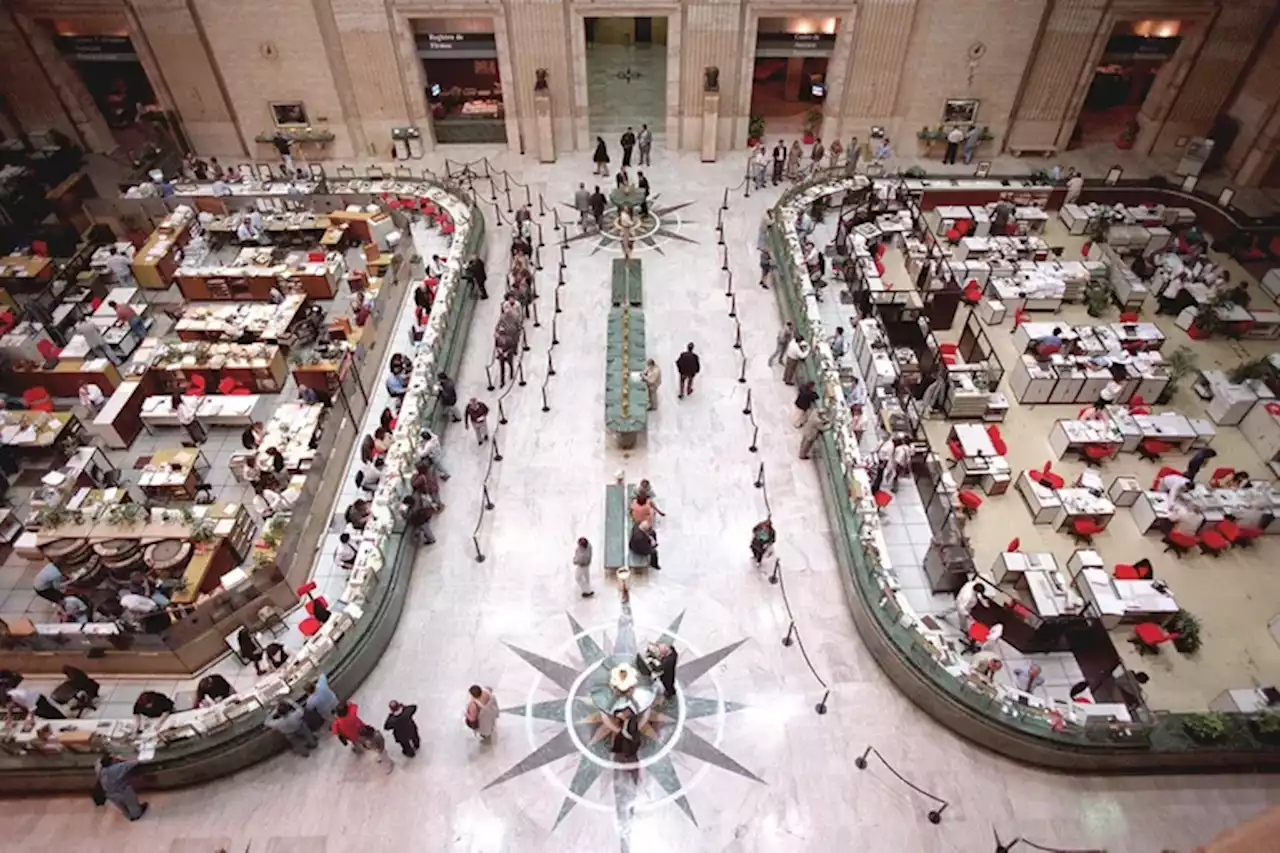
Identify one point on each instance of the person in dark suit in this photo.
(644, 543)
(667, 661)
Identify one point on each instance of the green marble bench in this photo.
(634, 561)
(626, 397)
(617, 525)
(627, 286)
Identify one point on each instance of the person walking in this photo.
(954, 137)
(582, 202)
(597, 205)
(817, 153)
(758, 166)
(402, 727)
(644, 140)
(96, 343)
(785, 335)
(816, 421)
(117, 788)
(796, 352)
(288, 718)
(628, 142)
(186, 412)
(476, 417)
(972, 140)
(478, 275)
(447, 392)
(482, 712)
(779, 161)
(347, 725)
(687, 365)
(601, 157)
(806, 401)
(582, 567)
(121, 267)
(652, 376)
(1075, 186)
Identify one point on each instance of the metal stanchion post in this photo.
(488, 504)
(562, 263)
(497, 216)
(539, 226)
(528, 196)
(542, 207)
(520, 373)
(537, 323)
(488, 375)
(737, 335)
(560, 277)
(742, 374)
(755, 437)
(479, 554)
(821, 708)
(557, 292)
(497, 454)
(728, 286)
(733, 305)
(537, 258)
(546, 407)
(510, 209)
(502, 414)
(551, 366)
(746, 410)
(724, 205)
(724, 265)
(760, 477)
(555, 339)
(791, 630)
(555, 216)
(524, 340)
(486, 166)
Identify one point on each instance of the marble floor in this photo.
(757, 769)
(615, 102)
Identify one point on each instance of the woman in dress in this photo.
(482, 711)
(793, 161)
(601, 157)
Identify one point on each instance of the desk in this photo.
(1081, 503)
(25, 273)
(27, 430)
(215, 410)
(215, 321)
(258, 367)
(156, 262)
(1043, 580)
(366, 227)
(173, 474)
(65, 378)
(1068, 436)
(1261, 427)
(974, 440)
(253, 281)
(1041, 501)
(1118, 602)
(292, 430)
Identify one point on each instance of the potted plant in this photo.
(1187, 627)
(755, 130)
(812, 121)
(1209, 727)
(1180, 363)
(1258, 368)
(1097, 298)
(1266, 726)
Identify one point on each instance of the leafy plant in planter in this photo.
(915, 172)
(1266, 725)
(1187, 626)
(1181, 363)
(812, 121)
(755, 130)
(1097, 298)
(1206, 728)
(1258, 368)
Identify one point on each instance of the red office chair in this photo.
(1093, 455)
(7, 321)
(48, 349)
(1136, 401)
(40, 247)
(1022, 315)
(1229, 530)
(196, 386)
(313, 603)
(948, 348)
(969, 502)
(306, 589)
(972, 292)
(1148, 637)
(882, 499)
(880, 250)
(446, 223)
(1013, 546)
(1151, 449)
(1084, 529)
(1248, 535)
(879, 267)
(1213, 543)
(228, 385)
(37, 399)
(1164, 471)
(310, 626)
(1126, 572)
(1084, 250)
(957, 452)
(1179, 543)
(1129, 317)
(1046, 477)
(978, 633)
(997, 443)
(954, 234)
(315, 257)
(1219, 475)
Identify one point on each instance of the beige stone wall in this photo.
(220, 63)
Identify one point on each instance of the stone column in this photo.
(75, 98)
(880, 35)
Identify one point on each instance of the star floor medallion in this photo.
(662, 223)
(683, 731)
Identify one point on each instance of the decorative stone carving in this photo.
(540, 84)
(711, 79)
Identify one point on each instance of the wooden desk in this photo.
(155, 264)
(365, 227)
(173, 474)
(49, 427)
(65, 379)
(233, 529)
(25, 273)
(260, 376)
(317, 280)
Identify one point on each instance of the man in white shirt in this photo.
(967, 599)
(346, 552)
(94, 340)
(91, 397)
(185, 409)
(954, 138)
(1075, 184)
(121, 268)
(48, 583)
(244, 233)
(31, 702)
(984, 666)
(255, 223)
(1173, 484)
(797, 351)
(839, 343)
(371, 474)
(857, 395)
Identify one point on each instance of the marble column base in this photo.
(710, 124)
(545, 137)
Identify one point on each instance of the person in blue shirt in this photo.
(113, 776)
(396, 386)
(320, 703)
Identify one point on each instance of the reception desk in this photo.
(155, 264)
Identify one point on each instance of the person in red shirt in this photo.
(347, 725)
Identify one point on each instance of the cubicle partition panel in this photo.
(974, 346)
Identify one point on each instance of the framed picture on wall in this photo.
(960, 111)
(289, 114)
